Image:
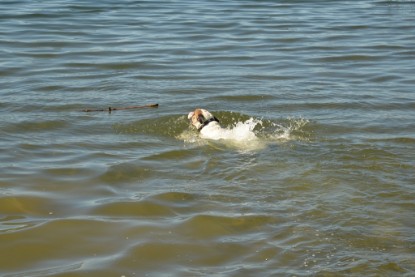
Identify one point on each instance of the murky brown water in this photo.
(326, 189)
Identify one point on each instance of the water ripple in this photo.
(327, 188)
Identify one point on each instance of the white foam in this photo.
(240, 136)
(242, 131)
(285, 133)
(249, 135)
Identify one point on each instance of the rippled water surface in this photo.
(325, 188)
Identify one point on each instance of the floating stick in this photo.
(121, 108)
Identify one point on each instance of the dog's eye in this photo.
(201, 119)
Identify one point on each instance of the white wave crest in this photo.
(252, 134)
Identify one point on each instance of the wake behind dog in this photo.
(247, 134)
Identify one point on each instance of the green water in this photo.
(325, 189)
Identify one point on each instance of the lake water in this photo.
(325, 188)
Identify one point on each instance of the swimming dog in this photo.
(206, 123)
(209, 128)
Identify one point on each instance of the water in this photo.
(326, 188)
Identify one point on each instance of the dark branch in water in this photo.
(121, 108)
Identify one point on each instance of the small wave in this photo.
(166, 126)
(290, 129)
(238, 130)
(240, 135)
(252, 133)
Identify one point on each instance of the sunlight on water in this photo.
(312, 173)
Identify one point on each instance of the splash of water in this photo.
(291, 130)
(251, 134)
(242, 131)
(241, 135)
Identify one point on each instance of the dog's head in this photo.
(200, 118)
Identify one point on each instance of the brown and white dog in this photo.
(206, 124)
(209, 128)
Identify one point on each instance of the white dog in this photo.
(206, 124)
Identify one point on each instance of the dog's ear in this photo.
(190, 115)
